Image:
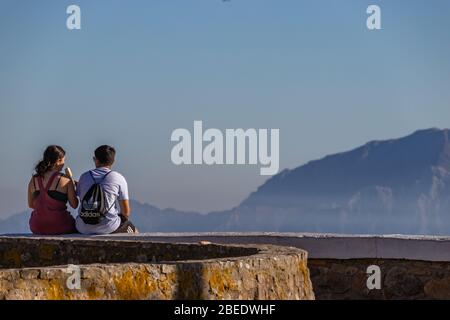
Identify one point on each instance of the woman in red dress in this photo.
(48, 193)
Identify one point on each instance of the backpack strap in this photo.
(103, 178)
(106, 174)
(92, 176)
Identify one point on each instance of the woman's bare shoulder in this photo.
(33, 178)
(64, 179)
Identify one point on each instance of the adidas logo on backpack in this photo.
(93, 204)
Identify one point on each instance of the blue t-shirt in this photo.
(115, 187)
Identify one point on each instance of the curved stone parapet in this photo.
(410, 266)
(48, 267)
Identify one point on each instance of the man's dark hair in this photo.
(105, 155)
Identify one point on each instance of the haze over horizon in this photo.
(136, 72)
(395, 186)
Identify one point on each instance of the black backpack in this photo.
(93, 204)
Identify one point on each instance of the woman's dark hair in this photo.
(51, 155)
(105, 155)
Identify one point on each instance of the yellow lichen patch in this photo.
(93, 293)
(307, 284)
(303, 268)
(221, 280)
(46, 252)
(134, 285)
(13, 256)
(54, 290)
(166, 287)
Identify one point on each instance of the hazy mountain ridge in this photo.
(394, 163)
(393, 186)
(146, 217)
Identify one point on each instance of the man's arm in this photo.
(124, 203)
(125, 209)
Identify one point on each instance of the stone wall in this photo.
(412, 267)
(19, 252)
(400, 279)
(110, 269)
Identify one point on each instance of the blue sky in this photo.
(137, 70)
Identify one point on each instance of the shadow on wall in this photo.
(191, 283)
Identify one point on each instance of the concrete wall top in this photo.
(332, 246)
(319, 246)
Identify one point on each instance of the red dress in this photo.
(50, 216)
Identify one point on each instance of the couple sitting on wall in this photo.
(103, 194)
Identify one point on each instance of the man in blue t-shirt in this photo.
(116, 195)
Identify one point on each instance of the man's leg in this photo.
(126, 226)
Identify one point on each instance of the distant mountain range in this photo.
(394, 186)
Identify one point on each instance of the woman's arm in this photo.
(71, 195)
(30, 193)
